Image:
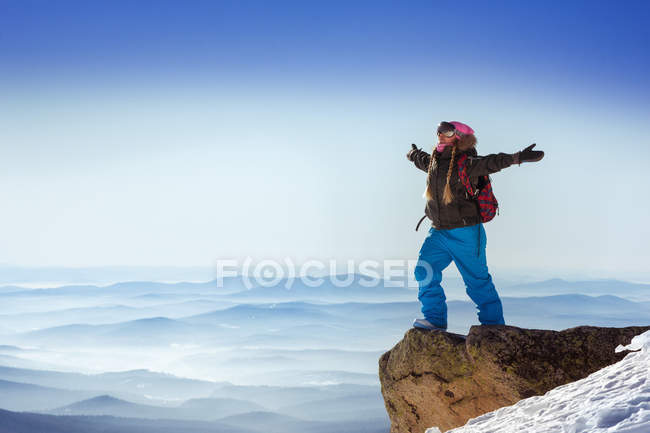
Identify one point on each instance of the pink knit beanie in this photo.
(462, 128)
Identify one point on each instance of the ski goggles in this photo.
(447, 129)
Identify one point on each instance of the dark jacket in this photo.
(463, 210)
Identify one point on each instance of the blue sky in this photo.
(176, 133)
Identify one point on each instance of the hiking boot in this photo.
(425, 324)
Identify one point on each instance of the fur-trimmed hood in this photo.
(466, 142)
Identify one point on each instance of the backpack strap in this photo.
(464, 179)
(417, 226)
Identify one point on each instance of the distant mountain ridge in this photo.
(206, 409)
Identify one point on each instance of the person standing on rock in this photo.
(457, 231)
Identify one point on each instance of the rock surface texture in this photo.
(434, 378)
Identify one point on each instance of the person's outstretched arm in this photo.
(488, 164)
(419, 157)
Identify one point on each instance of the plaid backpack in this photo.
(487, 202)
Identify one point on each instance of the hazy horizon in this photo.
(54, 276)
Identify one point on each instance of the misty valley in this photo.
(151, 356)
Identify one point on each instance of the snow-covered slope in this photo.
(614, 399)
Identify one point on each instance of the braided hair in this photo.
(447, 195)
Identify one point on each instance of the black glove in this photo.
(527, 155)
(411, 153)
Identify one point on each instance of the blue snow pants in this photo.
(466, 247)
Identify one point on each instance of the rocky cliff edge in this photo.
(434, 378)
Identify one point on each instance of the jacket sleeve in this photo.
(421, 160)
(488, 164)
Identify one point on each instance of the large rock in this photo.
(433, 378)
